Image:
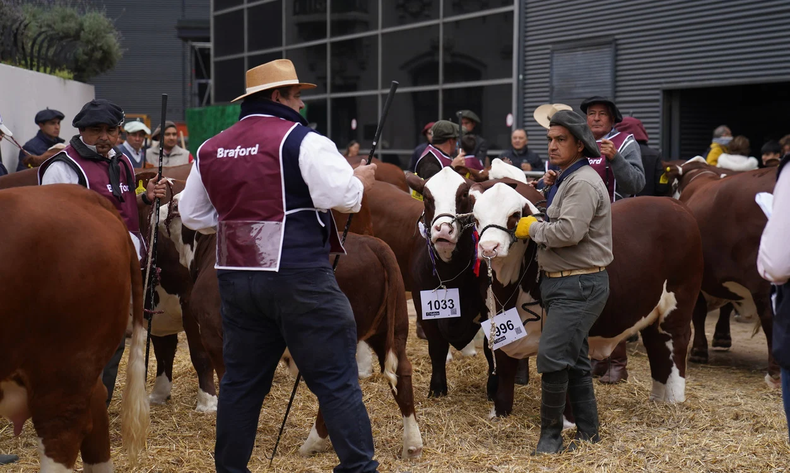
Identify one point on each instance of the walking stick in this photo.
(150, 269)
(382, 119)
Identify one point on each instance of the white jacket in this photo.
(737, 162)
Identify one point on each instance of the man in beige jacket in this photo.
(173, 155)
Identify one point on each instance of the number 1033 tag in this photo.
(507, 328)
(440, 304)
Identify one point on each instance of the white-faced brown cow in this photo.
(69, 271)
(654, 282)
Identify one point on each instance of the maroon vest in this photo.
(601, 165)
(96, 176)
(470, 162)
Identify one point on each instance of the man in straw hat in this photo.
(574, 248)
(264, 186)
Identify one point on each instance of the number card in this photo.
(507, 328)
(440, 304)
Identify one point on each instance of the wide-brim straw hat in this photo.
(544, 113)
(272, 75)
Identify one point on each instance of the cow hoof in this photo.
(206, 402)
(566, 424)
(160, 394)
(449, 357)
(437, 392)
(314, 444)
(412, 439)
(411, 453)
(698, 356)
(723, 342)
(773, 383)
(470, 349)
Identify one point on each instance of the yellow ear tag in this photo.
(140, 189)
(416, 195)
(669, 168)
(469, 174)
(664, 179)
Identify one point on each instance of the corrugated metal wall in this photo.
(155, 60)
(659, 44)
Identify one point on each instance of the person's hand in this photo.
(526, 167)
(458, 161)
(608, 149)
(156, 188)
(366, 174)
(549, 178)
(507, 161)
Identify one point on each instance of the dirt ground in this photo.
(731, 422)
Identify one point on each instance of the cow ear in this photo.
(529, 208)
(475, 192)
(415, 182)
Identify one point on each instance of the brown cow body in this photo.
(385, 172)
(62, 315)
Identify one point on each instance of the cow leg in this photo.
(95, 446)
(318, 439)
(765, 312)
(699, 350)
(165, 353)
(721, 336)
(61, 431)
(438, 349)
(506, 368)
(207, 391)
(364, 361)
(493, 379)
(667, 356)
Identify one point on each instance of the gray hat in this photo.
(470, 115)
(444, 130)
(618, 117)
(168, 124)
(577, 125)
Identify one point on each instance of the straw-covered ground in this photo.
(731, 421)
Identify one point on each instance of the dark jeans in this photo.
(786, 394)
(110, 372)
(262, 313)
(573, 304)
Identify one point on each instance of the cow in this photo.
(654, 281)
(385, 172)
(69, 272)
(369, 276)
(731, 224)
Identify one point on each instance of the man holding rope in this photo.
(265, 186)
(92, 160)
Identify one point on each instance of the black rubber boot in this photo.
(522, 372)
(552, 405)
(585, 409)
(8, 459)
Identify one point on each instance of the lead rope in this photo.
(491, 305)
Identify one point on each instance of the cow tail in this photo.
(134, 407)
(394, 295)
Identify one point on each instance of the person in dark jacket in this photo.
(415, 156)
(470, 123)
(48, 135)
(651, 159)
(519, 153)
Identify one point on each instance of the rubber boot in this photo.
(552, 404)
(522, 372)
(585, 408)
(8, 459)
(617, 371)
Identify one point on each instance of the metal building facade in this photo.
(680, 66)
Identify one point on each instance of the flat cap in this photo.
(136, 125)
(168, 124)
(618, 117)
(98, 112)
(48, 114)
(577, 125)
(470, 115)
(444, 130)
(427, 127)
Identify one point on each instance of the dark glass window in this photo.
(315, 113)
(223, 4)
(265, 26)
(354, 118)
(406, 12)
(353, 16)
(258, 59)
(411, 57)
(228, 79)
(408, 114)
(229, 33)
(310, 65)
(491, 103)
(355, 64)
(479, 48)
(305, 20)
(461, 7)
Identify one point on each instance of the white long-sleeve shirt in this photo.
(773, 258)
(329, 178)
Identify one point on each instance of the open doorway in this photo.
(689, 116)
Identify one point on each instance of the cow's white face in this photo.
(446, 193)
(500, 205)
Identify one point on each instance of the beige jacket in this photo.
(578, 234)
(177, 156)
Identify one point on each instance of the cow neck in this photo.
(114, 161)
(464, 257)
(505, 292)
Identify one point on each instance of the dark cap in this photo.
(618, 117)
(444, 130)
(470, 115)
(427, 128)
(98, 112)
(577, 125)
(47, 115)
(168, 124)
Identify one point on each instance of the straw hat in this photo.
(544, 113)
(274, 74)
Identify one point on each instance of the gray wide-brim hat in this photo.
(577, 125)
